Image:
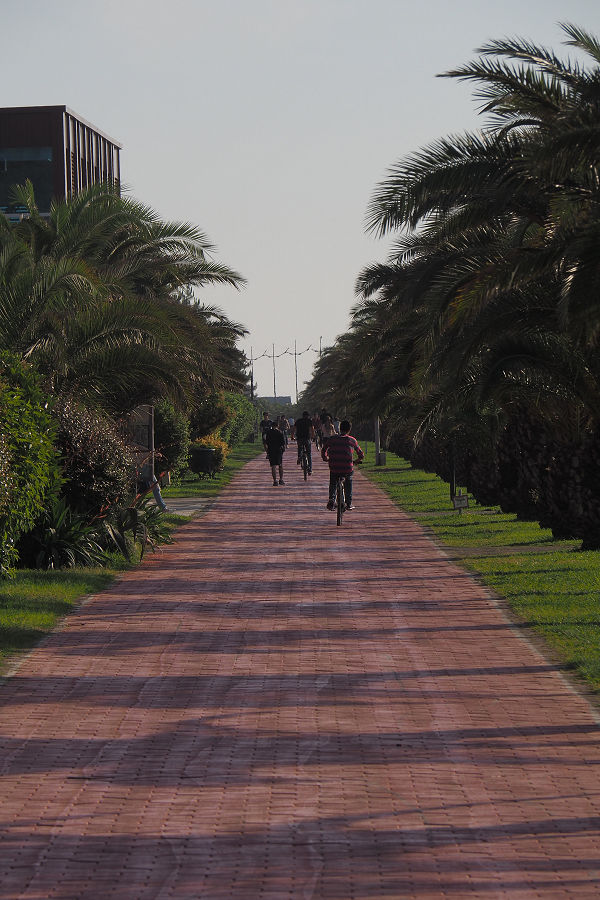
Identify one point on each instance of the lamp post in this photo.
(296, 370)
(377, 441)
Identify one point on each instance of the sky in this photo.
(268, 124)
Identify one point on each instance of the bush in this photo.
(142, 523)
(240, 420)
(209, 415)
(60, 540)
(29, 469)
(197, 457)
(171, 438)
(7, 478)
(98, 465)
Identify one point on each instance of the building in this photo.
(279, 401)
(57, 150)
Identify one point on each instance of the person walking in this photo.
(338, 450)
(265, 425)
(284, 427)
(327, 427)
(275, 444)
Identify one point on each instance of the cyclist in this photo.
(338, 451)
(304, 435)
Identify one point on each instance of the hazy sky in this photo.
(268, 123)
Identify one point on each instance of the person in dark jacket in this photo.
(305, 433)
(275, 444)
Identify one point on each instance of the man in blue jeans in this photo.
(338, 451)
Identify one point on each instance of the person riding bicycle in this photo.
(304, 435)
(338, 451)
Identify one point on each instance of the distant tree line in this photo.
(477, 340)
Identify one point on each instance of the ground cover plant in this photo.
(33, 602)
(551, 586)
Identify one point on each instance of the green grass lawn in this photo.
(194, 486)
(552, 587)
(33, 602)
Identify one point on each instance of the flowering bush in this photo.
(196, 459)
(98, 465)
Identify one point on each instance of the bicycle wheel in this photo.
(340, 506)
(305, 465)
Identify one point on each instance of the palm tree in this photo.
(94, 297)
(487, 308)
(502, 227)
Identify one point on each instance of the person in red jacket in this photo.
(338, 451)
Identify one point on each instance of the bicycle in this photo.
(304, 461)
(340, 498)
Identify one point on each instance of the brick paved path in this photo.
(278, 708)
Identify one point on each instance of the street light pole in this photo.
(274, 385)
(296, 370)
(377, 441)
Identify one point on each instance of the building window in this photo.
(17, 164)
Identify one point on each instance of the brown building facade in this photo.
(57, 150)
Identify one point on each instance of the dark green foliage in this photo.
(141, 523)
(28, 461)
(477, 341)
(240, 420)
(206, 456)
(171, 438)
(209, 414)
(98, 465)
(61, 539)
(95, 296)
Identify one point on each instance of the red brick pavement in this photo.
(278, 708)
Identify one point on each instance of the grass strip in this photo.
(193, 486)
(34, 601)
(551, 586)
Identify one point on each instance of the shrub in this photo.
(7, 479)
(171, 438)
(141, 523)
(240, 420)
(208, 416)
(98, 465)
(28, 462)
(197, 456)
(61, 539)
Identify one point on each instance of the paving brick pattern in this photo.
(278, 708)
